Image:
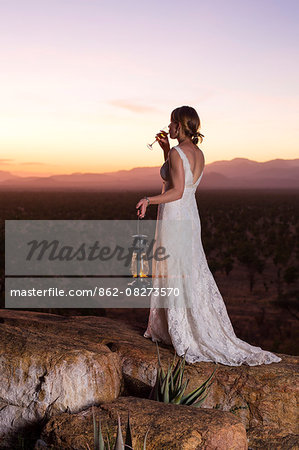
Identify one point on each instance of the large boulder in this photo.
(45, 373)
(169, 426)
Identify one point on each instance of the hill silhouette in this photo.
(238, 173)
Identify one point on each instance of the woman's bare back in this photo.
(196, 159)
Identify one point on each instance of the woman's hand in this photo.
(142, 204)
(162, 138)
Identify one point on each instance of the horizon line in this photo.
(17, 173)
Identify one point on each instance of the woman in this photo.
(199, 325)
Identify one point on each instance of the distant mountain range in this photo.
(238, 173)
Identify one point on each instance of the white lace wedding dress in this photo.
(203, 327)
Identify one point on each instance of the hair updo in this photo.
(188, 118)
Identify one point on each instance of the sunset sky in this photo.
(85, 84)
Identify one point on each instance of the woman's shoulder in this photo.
(174, 155)
(174, 151)
(193, 149)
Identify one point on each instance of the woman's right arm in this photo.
(164, 144)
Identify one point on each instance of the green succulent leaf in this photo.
(193, 395)
(119, 444)
(101, 439)
(178, 371)
(197, 404)
(196, 393)
(174, 357)
(144, 442)
(171, 383)
(95, 430)
(181, 373)
(159, 360)
(155, 388)
(177, 398)
(165, 387)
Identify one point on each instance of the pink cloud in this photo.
(134, 107)
(33, 164)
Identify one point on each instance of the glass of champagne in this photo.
(165, 132)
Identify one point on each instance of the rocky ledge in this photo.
(169, 426)
(54, 368)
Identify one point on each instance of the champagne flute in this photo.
(165, 132)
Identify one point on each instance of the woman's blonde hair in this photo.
(189, 119)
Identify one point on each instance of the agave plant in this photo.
(169, 388)
(119, 444)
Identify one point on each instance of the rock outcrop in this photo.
(169, 426)
(53, 364)
(45, 373)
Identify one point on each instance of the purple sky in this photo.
(84, 85)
